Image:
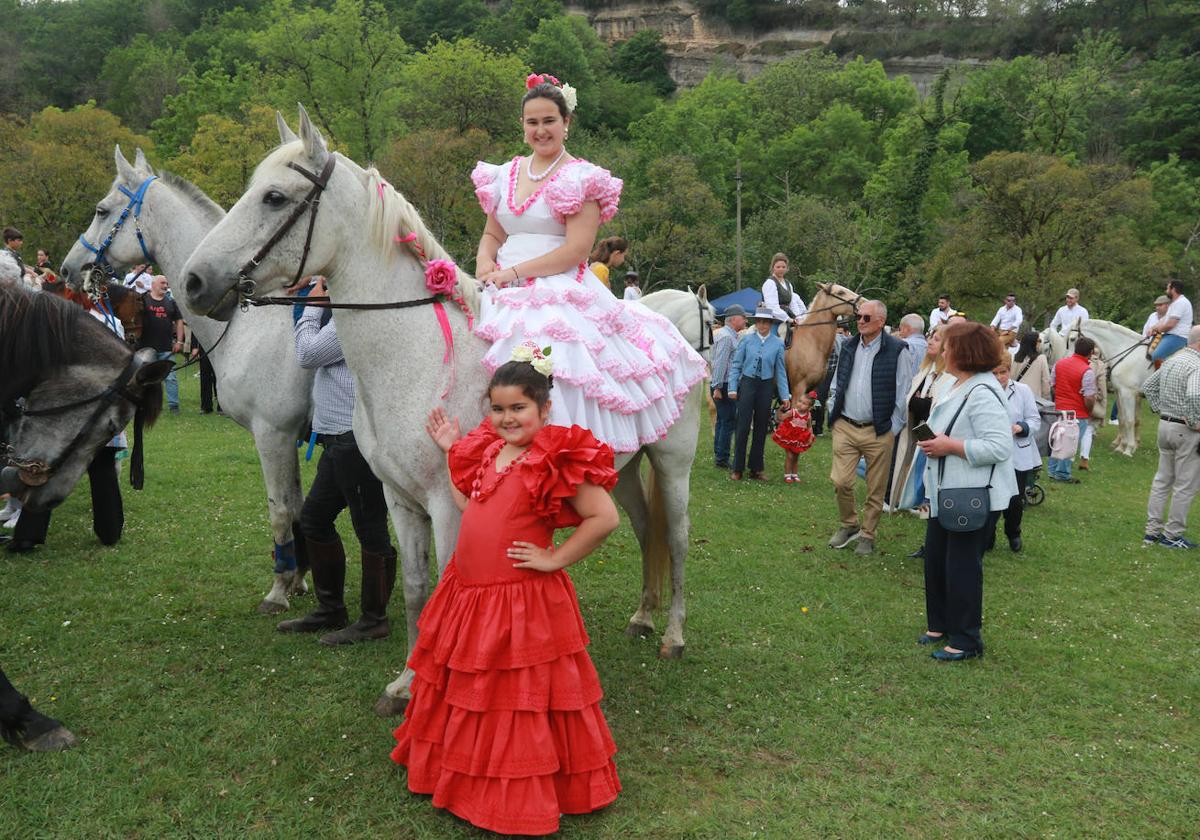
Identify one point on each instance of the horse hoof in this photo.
(56, 740)
(298, 587)
(638, 629)
(389, 706)
(670, 652)
(272, 607)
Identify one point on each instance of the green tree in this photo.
(555, 48)
(213, 92)
(1176, 225)
(56, 166)
(223, 152)
(643, 58)
(1165, 118)
(462, 85)
(516, 21)
(423, 20)
(343, 63)
(138, 78)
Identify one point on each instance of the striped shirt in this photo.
(333, 387)
(1174, 389)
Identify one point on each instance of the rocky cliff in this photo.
(698, 44)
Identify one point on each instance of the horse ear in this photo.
(824, 287)
(286, 135)
(125, 170)
(702, 293)
(140, 163)
(314, 143)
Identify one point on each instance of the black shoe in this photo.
(946, 656)
(1014, 543)
(21, 546)
(926, 639)
(721, 465)
(919, 554)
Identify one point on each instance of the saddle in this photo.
(1153, 346)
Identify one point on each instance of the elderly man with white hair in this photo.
(912, 332)
(1174, 394)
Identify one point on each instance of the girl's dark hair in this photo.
(1028, 348)
(547, 91)
(605, 248)
(523, 376)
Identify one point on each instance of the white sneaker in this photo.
(12, 523)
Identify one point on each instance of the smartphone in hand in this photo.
(923, 432)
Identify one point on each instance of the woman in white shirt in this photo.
(1026, 421)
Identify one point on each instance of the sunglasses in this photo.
(864, 317)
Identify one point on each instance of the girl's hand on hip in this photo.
(532, 557)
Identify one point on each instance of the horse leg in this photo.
(1127, 401)
(413, 538)
(281, 472)
(631, 496)
(26, 727)
(672, 485)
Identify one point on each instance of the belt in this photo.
(857, 424)
(344, 437)
(1167, 419)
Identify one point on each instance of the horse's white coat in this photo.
(1126, 376)
(395, 357)
(272, 396)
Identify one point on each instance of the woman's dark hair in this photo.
(605, 248)
(547, 91)
(522, 375)
(975, 348)
(1028, 348)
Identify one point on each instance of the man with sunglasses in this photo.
(873, 376)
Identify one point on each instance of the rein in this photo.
(323, 302)
(1120, 357)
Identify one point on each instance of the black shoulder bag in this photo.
(963, 508)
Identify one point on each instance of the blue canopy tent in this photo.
(746, 298)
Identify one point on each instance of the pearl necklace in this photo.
(549, 169)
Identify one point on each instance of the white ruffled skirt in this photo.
(621, 371)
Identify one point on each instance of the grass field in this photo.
(802, 707)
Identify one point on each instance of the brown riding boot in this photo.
(328, 563)
(378, 580)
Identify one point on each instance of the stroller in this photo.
(1035, 494)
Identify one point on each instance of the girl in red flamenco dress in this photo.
(504, 727)
(794, 433)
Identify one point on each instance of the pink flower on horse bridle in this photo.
(441, 276)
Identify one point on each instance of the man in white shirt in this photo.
(941, 314)
(139, 279)
(633, 286)
(1067, 315)
(1160, 311)
(1174, 326)
(1009, 316)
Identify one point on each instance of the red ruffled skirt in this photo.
(504, 727)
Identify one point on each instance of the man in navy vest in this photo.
(873, 375)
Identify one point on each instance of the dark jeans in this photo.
(753, 408)
(345, 480)
(208, 384)
(818, 412)
(108, 510)
(1016, 506)
(954, 582)
(726, 425)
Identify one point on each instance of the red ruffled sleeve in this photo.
(487, 180)
(466, 454)
(584, 182)
(560, 460)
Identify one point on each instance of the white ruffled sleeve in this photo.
(487, 179)
(583, 182)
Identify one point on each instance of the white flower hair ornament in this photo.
(538, 357)
(569, 95)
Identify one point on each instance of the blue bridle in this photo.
(135, 207)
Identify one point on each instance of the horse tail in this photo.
(657, 561)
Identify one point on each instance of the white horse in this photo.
(396, 358)
(690, 312)
(1125, 354)
(272, 397)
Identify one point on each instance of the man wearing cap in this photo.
(725, 343)
(1009, 316)
(756, 374)
(1069, 313)
(633, 286)
(873, 376)
(1174, 326)
(1160, 311)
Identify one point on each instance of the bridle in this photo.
(854, 302)
(243, 284)
(34, 473)
(101, 264)
(706, 330)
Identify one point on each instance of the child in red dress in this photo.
(504, 727)
(794, 433)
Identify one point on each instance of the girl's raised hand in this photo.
(444, 430)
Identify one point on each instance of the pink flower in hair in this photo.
(441, 276)
(533, 80)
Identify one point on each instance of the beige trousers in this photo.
(849, 444)
(1178, 477)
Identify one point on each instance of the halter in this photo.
(854, 302)
(135, 207)
(36, 473)
(243, 285)
(705, 327)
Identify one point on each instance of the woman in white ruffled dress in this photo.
(620, 370)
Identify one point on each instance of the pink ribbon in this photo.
(448, 338)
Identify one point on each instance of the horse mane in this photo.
(193, 193)
(36, 333)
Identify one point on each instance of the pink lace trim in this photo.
(594, 184)
(513, 169)
(484, 178)
(539, 296)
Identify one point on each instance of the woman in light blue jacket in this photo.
(972, 448)
(1023, 412)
